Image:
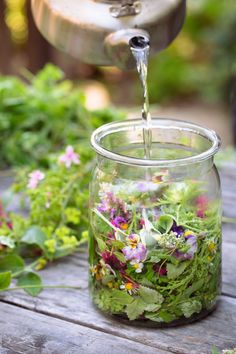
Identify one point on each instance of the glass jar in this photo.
(155, 245)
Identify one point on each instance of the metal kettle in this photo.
(98, 31)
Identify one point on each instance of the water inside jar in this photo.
(160, 151)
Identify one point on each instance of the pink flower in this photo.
(162, 271)
(202, 205)
(69, 158)
(34, 178)
(111, 259)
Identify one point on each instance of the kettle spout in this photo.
(117, 46)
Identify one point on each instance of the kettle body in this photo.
(98, 31)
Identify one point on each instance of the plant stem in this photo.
(25, 269)
(42, 286)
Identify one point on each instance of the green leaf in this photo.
(154, 259)
(120, 256)
(165, 223)
(214, 350)
(146, 282)
(152, 307)
(121, 297)
(118, 244)
(190, 307)
(194, 287)
(161, 316)
(101, 244)
(135, 309)
(31, 283)
(150, 296)
(11, 262)
(34, 236)
(5, 280)
(173, 271)
(7, 241)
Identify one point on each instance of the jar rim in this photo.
(162, 123)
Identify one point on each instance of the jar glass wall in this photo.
(155, 243)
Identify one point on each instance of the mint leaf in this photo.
(34, 236)
(162, 316)
(152, 307)
(150, 296)
(190, 307)
(5, 280)
(135, 309)
(174, 271)
(12, 263)
(31, 283)
(121, 297)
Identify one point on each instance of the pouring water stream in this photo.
(140, 48)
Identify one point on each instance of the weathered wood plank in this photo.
(228, 184)
(26, 332)
(229, 233)
(229, 269)
(75, 306)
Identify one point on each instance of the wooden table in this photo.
(64, 321)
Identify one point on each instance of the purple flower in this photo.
(144, 187)
(191, 241)
(137, 253)
(179, 230)
(120, 222)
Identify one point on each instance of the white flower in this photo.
(138, 266)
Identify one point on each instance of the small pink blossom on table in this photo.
(34, 178)
(69, 158)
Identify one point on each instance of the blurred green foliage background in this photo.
(202, 61)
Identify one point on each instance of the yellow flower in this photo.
(73, 215)
(51, 245)
(62, 232)
(41, 264)
(188, 233)
(97, 271)
(131, 288)
(212, 247)
(127, 286)
(110, 285)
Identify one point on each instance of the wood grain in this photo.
(26, 332)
